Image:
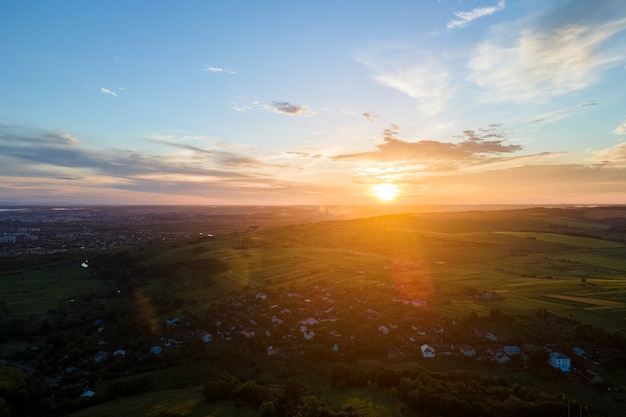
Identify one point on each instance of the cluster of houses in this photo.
(280, 322)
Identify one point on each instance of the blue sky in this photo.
(287, 102)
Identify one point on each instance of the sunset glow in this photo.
(385, 192)
(452, 101)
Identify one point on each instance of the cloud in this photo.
(51, 150)
(429, 84)
(219, 153)
(107, 91)
(620, 130)
(464, 18)
(476, 147)
(545, 60)
(369, 116)
(284, 107)
(590, 103)
(612, 156)
(563, 113)
(218, 69)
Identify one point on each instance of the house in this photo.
(559, 361)
(394, 353)
(512, 350)
(427, 351)
(498, 355)
(173, 321)
(592, 377)
(467, 350)
(205, 336)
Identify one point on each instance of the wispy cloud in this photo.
(464, 18)
(284, 107)
(219, 69)
(620, 130)
(107, 91)
(546, 60)
(615, 156)
(369, 116)
(429, 84)
(216, 152)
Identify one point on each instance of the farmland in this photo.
(554, 277)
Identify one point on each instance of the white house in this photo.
(427, 351)
(559, 361)
(467, 350)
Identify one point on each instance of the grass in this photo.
(9, 376)
(566, 240)
(187, 402)
(35, 290)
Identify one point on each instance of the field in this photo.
(499, 252)
(37, 289)
(461, 265)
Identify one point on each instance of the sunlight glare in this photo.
(385, 191)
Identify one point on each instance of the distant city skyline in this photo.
(255, 103)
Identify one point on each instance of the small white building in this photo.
(427, 351)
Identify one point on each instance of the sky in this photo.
(316, 102)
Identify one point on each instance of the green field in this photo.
(35, 290)
(462, 265)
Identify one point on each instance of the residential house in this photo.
(498, 355)
(491, 336)
(427, 351)
(100, 356)
(512, 350)
(205, 336)
(467, 350)
(559, 361)
(394, 353)
(173, 321)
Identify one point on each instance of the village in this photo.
(322, 324)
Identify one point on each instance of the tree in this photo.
(267, 409)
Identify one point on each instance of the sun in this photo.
(385, 191)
